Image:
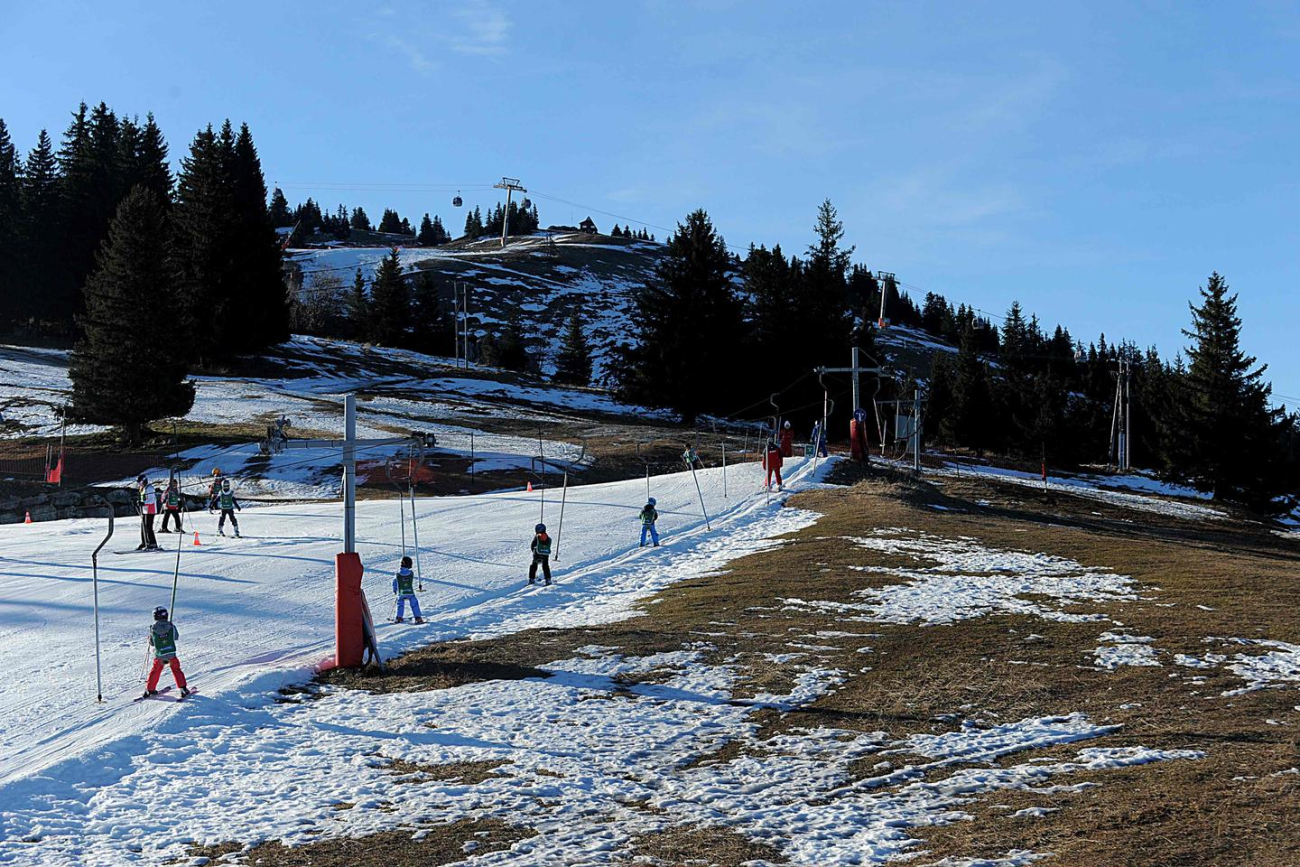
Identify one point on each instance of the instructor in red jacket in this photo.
(787, 441)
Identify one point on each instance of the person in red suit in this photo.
(772, 462)
(787, 441)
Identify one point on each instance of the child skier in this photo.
(226, 500)
(404, 590)
(772, 462)
(171, 505)
(541, 548)
(648, 517)
(819, 441)
(148, 508)
(162, 638)
(692, 458)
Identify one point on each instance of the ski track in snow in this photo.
(133, 783)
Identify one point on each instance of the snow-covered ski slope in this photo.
(257, 613)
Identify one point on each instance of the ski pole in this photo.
(564, 496)
(94, 571)
(415, 530)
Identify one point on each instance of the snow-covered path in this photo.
(257, 613)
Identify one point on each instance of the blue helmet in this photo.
(650, 502)
(540, 528)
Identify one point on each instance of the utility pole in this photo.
(856, 369)
(510, 185)
(883, 279)
(349, 445)
(916, 431)
(1121, 427)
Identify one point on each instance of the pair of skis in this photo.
(161, 695)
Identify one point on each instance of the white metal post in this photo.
(350, 473)
(857, 403)
(916, 431)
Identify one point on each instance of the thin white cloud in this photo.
(486, 29)
(420, 62)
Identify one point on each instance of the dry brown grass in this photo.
(442, 845)
(1220, 810)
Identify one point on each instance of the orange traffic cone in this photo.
(530, 490)
(28, 519)
(196, 538)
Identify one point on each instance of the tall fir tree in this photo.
(256, 261)
(359, 220)
(358, 309)
(280, 214)
(432, 330)
(41, 230)
(12, 259)
(89, 196)
(681, 359)
(122, 373)
(203, 240)
(969, 421)
(1234, 437)
(573, 362)
(425, 237)
(390, 303)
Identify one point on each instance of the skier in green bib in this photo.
(225, 498)
(404, 590)
(649, 515)
(171, 504)
(541, 548)
(162, 638)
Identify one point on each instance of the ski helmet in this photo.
(406, 562)
(141, 480)
(216, 471)
(225, 484)
(160, 613)
(786, 425)
(540, 528)
(650, 502)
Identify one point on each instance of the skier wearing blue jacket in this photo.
(404, 590)
(648, 517)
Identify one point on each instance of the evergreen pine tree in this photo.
(425, 237)
(11, 248)
(40, 231)
(279, 210)
(508, 349)
(440, 234)
(262, 301)
(124, 371)
(968, 423)
(573, 363)
(1234, 437)
(203, 232)
(358, 308)
(359, 220)
(390, 303)
(90, 192)
(680, 359)
(432, 330)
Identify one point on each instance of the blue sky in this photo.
(1095, 161)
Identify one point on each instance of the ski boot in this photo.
(237, 536)
(141, 546)
(419, 620)
(221, 533)
(398, 620)
(149, 692)
(186, 692)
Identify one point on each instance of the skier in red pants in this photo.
(162, 638)
(772, 462)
